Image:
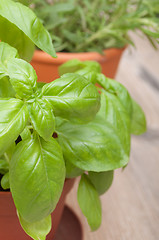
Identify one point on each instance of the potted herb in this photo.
(97, 30)
(59, 130)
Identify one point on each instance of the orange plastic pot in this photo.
(47, 67)
(10, 228)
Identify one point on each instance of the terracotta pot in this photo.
(47, 67)
(10, 228)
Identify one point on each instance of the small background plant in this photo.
(82, 26)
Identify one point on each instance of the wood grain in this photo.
(131, 206)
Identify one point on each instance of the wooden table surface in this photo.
(131, 206)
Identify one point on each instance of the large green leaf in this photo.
(37, 230)
(12, 35)
(37, 173)
(13, 119)
(101, 181)
(26, 20)
(42, 118)
(6, 53)
(138, 120)
(118, 90)
(73, 97)
(23, 78)
(89, 202)
(95, 146)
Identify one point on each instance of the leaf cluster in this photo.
(92, 137)
(82, 26)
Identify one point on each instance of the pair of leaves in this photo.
(23, 24)
(89, 202)
(89, 189)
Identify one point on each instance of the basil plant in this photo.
(63, 129)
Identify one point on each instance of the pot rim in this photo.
(40, 56)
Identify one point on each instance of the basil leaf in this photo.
(26, 20)
(73, 97)
(6, 53)
(4, 166)
(12, 35)
(5, 181)
(118, 90)
(89, 202)
(70, 66)
(42, 118)
(13, 119)
(101, 181)
(37, 174)
(113, 111)
(138, 121)
(95, 146)
(23, 78)
(37, 230)
(6, 89)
